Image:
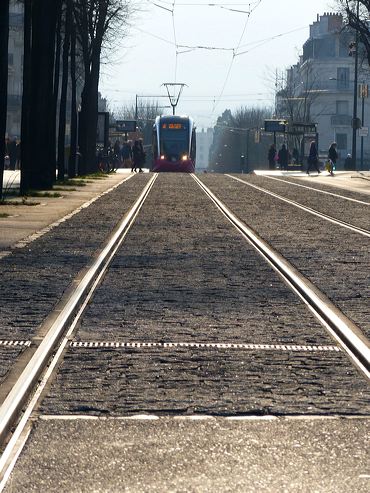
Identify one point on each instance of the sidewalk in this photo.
(24, 221)
(355, 181)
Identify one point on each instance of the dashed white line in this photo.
(202, 345)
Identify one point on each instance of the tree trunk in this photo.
(4, 36)
(89, 118)
(26, 149)
(42, 117)
(58, 44)
(73, 151)
(63, 97)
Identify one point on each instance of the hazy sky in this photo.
(239, 73)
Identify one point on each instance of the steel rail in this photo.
(14, 401)
(305, 208)
(362, 202)
(349, 336)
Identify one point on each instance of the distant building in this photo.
(15, 69)
(320, 87)
(204, 141)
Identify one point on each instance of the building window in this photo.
(342, 78)
(342, 107)
(10, 59)
(341, 140)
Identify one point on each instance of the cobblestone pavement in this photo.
(34, 278)
(336, 260)
(351, 212)
(185, 275)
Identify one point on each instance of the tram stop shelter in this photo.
(298, 136)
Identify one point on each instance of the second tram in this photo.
(174, 144)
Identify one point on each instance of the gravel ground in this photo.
(336, 260)
(351, 212)
(194, 278)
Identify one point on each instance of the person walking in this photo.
(271, 156)
(126, 154)
(117, 153)
(332, 157)
(137, 156)
(18, 152)
(283, 157)
(313, 158)
(142, 156)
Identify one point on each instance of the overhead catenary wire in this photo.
(233, 57)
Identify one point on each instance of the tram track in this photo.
(327, 217)
(24, 385)
(343, 330)
(317, 190)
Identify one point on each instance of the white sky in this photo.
(144, 62)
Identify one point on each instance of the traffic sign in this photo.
(363, 132)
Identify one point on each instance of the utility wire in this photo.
(233, 57)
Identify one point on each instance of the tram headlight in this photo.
(185, 157)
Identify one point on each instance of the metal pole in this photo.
(136, 107)
(354, 129)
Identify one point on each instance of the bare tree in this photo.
(231, 143)
(358, 19)
(97, 22)
(63, 93)
(4, 35)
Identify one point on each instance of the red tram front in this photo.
(174, 144)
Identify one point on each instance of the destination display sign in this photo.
(173, 126)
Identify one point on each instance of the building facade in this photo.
(320, 88)
(15, 70)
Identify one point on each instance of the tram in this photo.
(174, 144)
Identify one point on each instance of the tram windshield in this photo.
(174, 140)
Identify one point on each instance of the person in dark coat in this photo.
(138, 156)
(18, 162)
(332, 156)
(283, 157)
(271, 156)
(313, 158)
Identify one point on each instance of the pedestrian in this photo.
(126, 154)
(348, 163)
(283, 157)
(142, 156)
(313, 158)
(18, 152)
(136, 156)
(271, 156)
(332, 157)
(117, 152)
